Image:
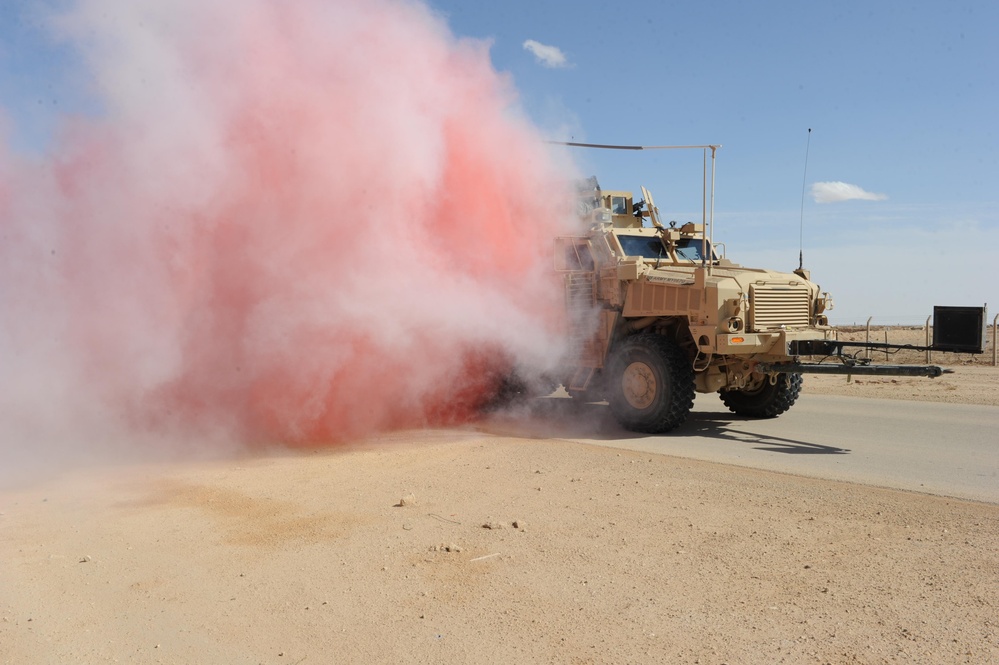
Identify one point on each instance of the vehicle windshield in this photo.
(649, 247)
(690, 248)
(652, 248)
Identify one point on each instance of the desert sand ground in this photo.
(463, 546)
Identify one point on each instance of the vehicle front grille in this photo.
(776, 306)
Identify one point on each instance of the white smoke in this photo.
(293, 222)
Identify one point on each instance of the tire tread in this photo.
(770, 402)
(667, 416)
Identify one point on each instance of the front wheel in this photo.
(768, 400)
(650, 384)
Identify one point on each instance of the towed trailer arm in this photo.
(853, 367)
(850, 364)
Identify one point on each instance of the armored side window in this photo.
(573, 255)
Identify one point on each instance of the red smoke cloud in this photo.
(292, 222)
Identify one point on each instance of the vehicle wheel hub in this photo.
(639, 385)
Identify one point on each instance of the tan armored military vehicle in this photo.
(656, 313)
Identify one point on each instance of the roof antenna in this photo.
(801, 221)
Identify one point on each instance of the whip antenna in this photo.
(801, 220)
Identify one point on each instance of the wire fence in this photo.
(917, 331)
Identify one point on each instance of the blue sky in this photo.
(902, 99)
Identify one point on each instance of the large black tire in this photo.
(767, 401)
(650, 384)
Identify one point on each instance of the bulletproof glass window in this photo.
(572, 255)
(690, 248)
(650, 247)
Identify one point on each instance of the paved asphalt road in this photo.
(945, 449)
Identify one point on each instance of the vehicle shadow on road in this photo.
(718, 426)
(564, 418)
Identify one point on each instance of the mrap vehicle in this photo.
(656, 313)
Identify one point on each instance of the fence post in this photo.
(868, 349)
(995, 356)
(928, 357)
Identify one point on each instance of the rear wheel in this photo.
(650, 384)
(768, 400)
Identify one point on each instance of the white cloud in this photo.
(549, 56)
(833, 192)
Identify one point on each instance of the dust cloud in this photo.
(290, 223)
